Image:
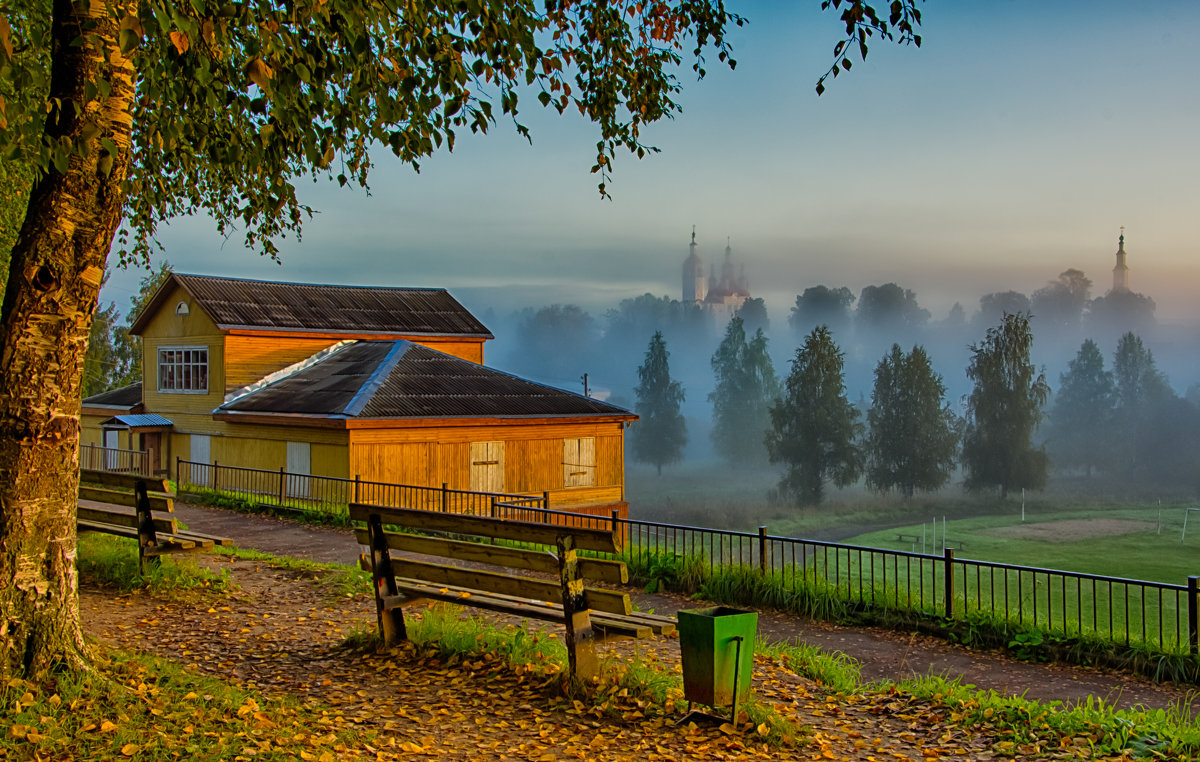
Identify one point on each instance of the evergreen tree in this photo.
(1142, 392)
(1003, 410)
(913, 434)
(661, 433)
(1081, 419)
(745, 388)
(814, 426)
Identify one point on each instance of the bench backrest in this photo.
(123, 480)
(529, 559)
(602, 540)
(119, 490)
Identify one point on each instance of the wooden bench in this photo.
(156, 535)
(588, 613)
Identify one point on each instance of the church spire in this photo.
(1121, 271)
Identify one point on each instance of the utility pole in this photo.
(585, 385)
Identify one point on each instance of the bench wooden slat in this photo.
(119, 479)
(122, 519)
(507, 584)
(610, 627)
(120, 497)
(597, 569)
(602, 540)
(205, 538)
(167, 543)
(636, 625)
(414, 590)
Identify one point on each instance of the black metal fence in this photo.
(331, 496)
(1159, 615)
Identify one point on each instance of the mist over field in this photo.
(558, 343)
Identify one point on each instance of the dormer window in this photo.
(182, 308)
(183, 370)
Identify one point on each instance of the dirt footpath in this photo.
(882, 654)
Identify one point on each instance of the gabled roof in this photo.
(400, 379)
(123, 397)
(234, 303)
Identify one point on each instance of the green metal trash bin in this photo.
(717, 649)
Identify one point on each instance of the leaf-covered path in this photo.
(282, 633)
(882, 654)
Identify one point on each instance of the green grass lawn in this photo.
(1134, 541)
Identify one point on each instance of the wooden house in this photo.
(383, 384)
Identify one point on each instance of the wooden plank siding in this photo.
(532, 458)
(249, 358)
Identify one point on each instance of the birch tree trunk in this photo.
(54, 281)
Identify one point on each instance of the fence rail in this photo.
(1132, 612)
(331, 496)
(96, 458)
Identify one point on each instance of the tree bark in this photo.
(54, 280)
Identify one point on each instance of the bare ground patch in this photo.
(1071, 530)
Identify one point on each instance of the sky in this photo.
(1012, 145)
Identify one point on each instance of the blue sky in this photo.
(1012, 145)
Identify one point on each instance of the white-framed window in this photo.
(579, 462)
(183, 370)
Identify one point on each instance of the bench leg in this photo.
(581, 638)
(383, 579)
(147, 538)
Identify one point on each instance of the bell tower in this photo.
(695, 285)
(1121, 271)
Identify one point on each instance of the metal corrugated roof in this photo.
(140, 421)
(420, 383)
(273, 305)
(125, 396)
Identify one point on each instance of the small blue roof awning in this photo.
(138, 421)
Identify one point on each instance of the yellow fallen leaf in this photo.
(763, 729)
(464, 594)
(129, 749)
(107, 727)
(18, 731)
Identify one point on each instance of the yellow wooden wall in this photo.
(265, 447)
(533, 453)
(166, 329)
(249, 358)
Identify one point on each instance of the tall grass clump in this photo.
(1099, 728)
(113, 561)
(444, 627)
(659, 570)
(748, 586)
(835, 670)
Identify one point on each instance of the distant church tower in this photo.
(719, 297)
(695, 285)
(1121, 271)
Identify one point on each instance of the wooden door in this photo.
(487, 466)
(201, 446)
(299, 466)
(579, 462)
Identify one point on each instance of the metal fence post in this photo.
(762, 550)
(445, 498)
(546, 500)
(948, 556)
(357, 486)
(178, 471)
(216, 473)
(1193, 590)
(282, 483)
